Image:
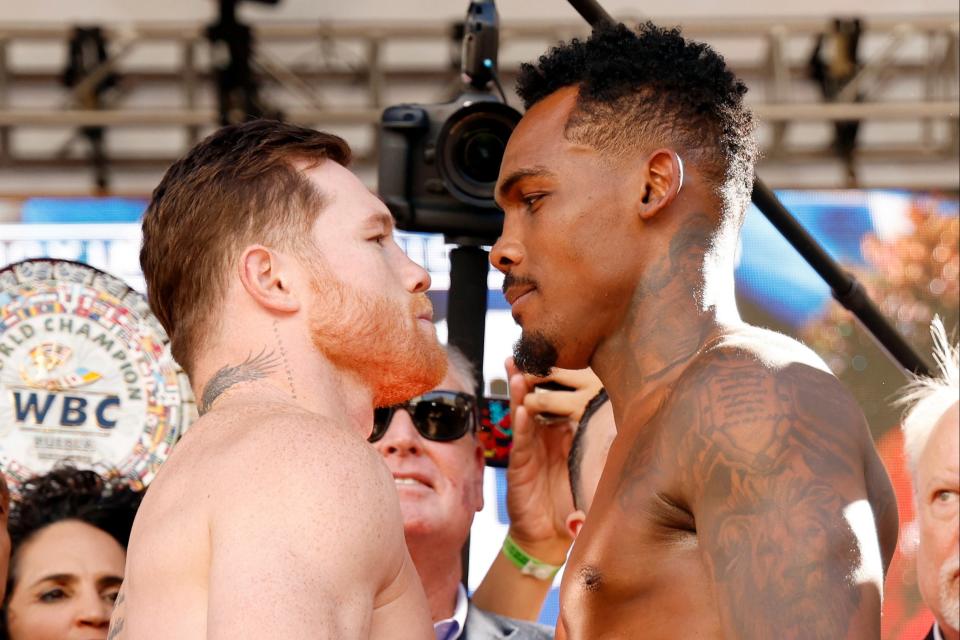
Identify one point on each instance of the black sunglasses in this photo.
(439, 415)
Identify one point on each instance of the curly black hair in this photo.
(651, 87)
(68, 493)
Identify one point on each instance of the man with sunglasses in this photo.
(430, 446)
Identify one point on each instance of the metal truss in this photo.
(344, 74)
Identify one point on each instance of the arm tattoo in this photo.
(772, 459)
(116, 628)
(255, 367)
(116, 624)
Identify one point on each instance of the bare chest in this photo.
(636, 569)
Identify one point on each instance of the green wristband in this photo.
(527, 564)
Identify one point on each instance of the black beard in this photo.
(535, 354)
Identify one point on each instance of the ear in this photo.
(662, 179)
(575, 523)
(264, 277)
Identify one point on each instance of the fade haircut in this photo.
(575, 457)
(652, 88)
(239, 186)
(928, 398)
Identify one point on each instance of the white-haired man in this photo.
(931, 429)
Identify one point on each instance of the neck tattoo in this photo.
(283, 357)
(255, 367)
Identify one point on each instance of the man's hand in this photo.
(538, 486)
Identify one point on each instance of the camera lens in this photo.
(482, 152)
(471, 147)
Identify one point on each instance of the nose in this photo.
(416, 278)
(401, 438)
(507, 251)
(93, 610)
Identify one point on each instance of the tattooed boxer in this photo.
(294, 312)
(742, 497)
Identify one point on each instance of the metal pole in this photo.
(846, 289)
(466, 324)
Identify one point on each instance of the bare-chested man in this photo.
(742, 497)
(287, 301)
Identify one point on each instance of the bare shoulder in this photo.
(769, 348)
(315, 449)
(293, 472)
(774, 456)
(757, 396)
(309, 509)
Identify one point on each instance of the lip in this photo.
(514, 293)
(414, 476)
(423, 309)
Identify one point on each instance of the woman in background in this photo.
(68, 533)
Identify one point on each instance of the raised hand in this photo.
(538, 485)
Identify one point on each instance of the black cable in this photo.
(592, 12)
(845, 288)
(496, 82)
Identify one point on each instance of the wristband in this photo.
(528, 565)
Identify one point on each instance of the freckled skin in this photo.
(274, 517)
(720, 512)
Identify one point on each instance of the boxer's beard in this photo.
(950, 592)
(535, 354)
(379, 341)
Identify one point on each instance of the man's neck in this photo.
(302, 378)
(684, 301)
(440, 572)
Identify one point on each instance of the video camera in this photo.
(439, 163)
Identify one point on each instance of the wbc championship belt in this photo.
(86, 375)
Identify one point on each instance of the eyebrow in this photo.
(68, 578)
(109, 581)
(56, 577)
(941, 481)
(379, 218)
(521, 174)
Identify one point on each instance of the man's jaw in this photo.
(950, 592)
(534, 353)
